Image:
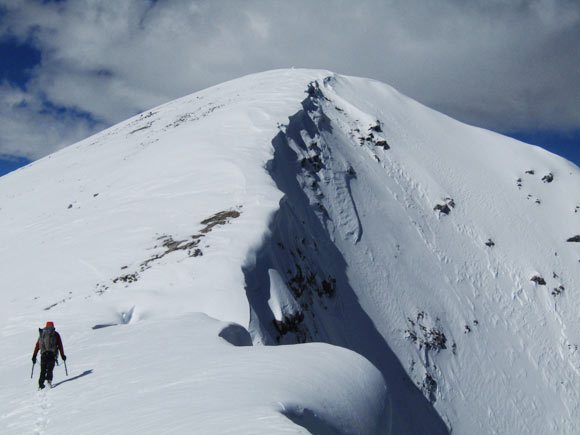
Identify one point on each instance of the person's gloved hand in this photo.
(33, 360)
(64, 357)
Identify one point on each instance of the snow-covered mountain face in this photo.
(438, 261)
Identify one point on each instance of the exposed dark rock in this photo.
(328, 287)
(430, 338)
(429, 387)
(383, 144)
(129, 278)
(530, 171)
(574, 239)
(548, 178)
(141, 128)
(313, 161)
(446, 206)
(558, 291)
(291, 323)
(538, 280)
(220, 218)
(489, 243)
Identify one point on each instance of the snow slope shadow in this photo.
(83, 374)
(310, 421)
(299, 292)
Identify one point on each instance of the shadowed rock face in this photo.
(300, 249)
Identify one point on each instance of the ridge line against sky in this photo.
(72, 68)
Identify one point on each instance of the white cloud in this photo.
(501, 65)
(29, 128)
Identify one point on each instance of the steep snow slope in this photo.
(304, 206)
(451, 239)
(122, 239)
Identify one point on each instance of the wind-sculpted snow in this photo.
(438, 262)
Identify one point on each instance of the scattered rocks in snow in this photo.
(101, 288)
(377, 127)
(59, 302)
(372, 139)
(538, 280)
(446, 207)
(69, 206)
(430, 338)
(429, 387)
(558, 291)
(194, 116)
(574, 239)
(141, 128)
(302, 282)
(189, 245)
(443, 208)
(383, 144)
(220, 218)
(350, 171)
(519, 183)
(129, 278)
(291, 323)
(314, 161)
(328, 288)
(548, 178)
(530, 171)
(467, 329)
(489, 243)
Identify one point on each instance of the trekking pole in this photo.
(32, 372)
(65, 369)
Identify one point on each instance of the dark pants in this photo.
(47, 361)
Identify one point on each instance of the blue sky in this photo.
(71, 68)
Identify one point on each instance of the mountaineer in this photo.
(49, 344)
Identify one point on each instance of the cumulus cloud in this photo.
(501, 65)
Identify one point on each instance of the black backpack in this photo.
(47, 340)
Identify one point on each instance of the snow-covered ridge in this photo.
(303, 206)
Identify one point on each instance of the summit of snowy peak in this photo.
(296, 206)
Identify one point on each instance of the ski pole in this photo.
(32, 372)
(65, 369)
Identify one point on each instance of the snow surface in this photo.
(293, 206)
